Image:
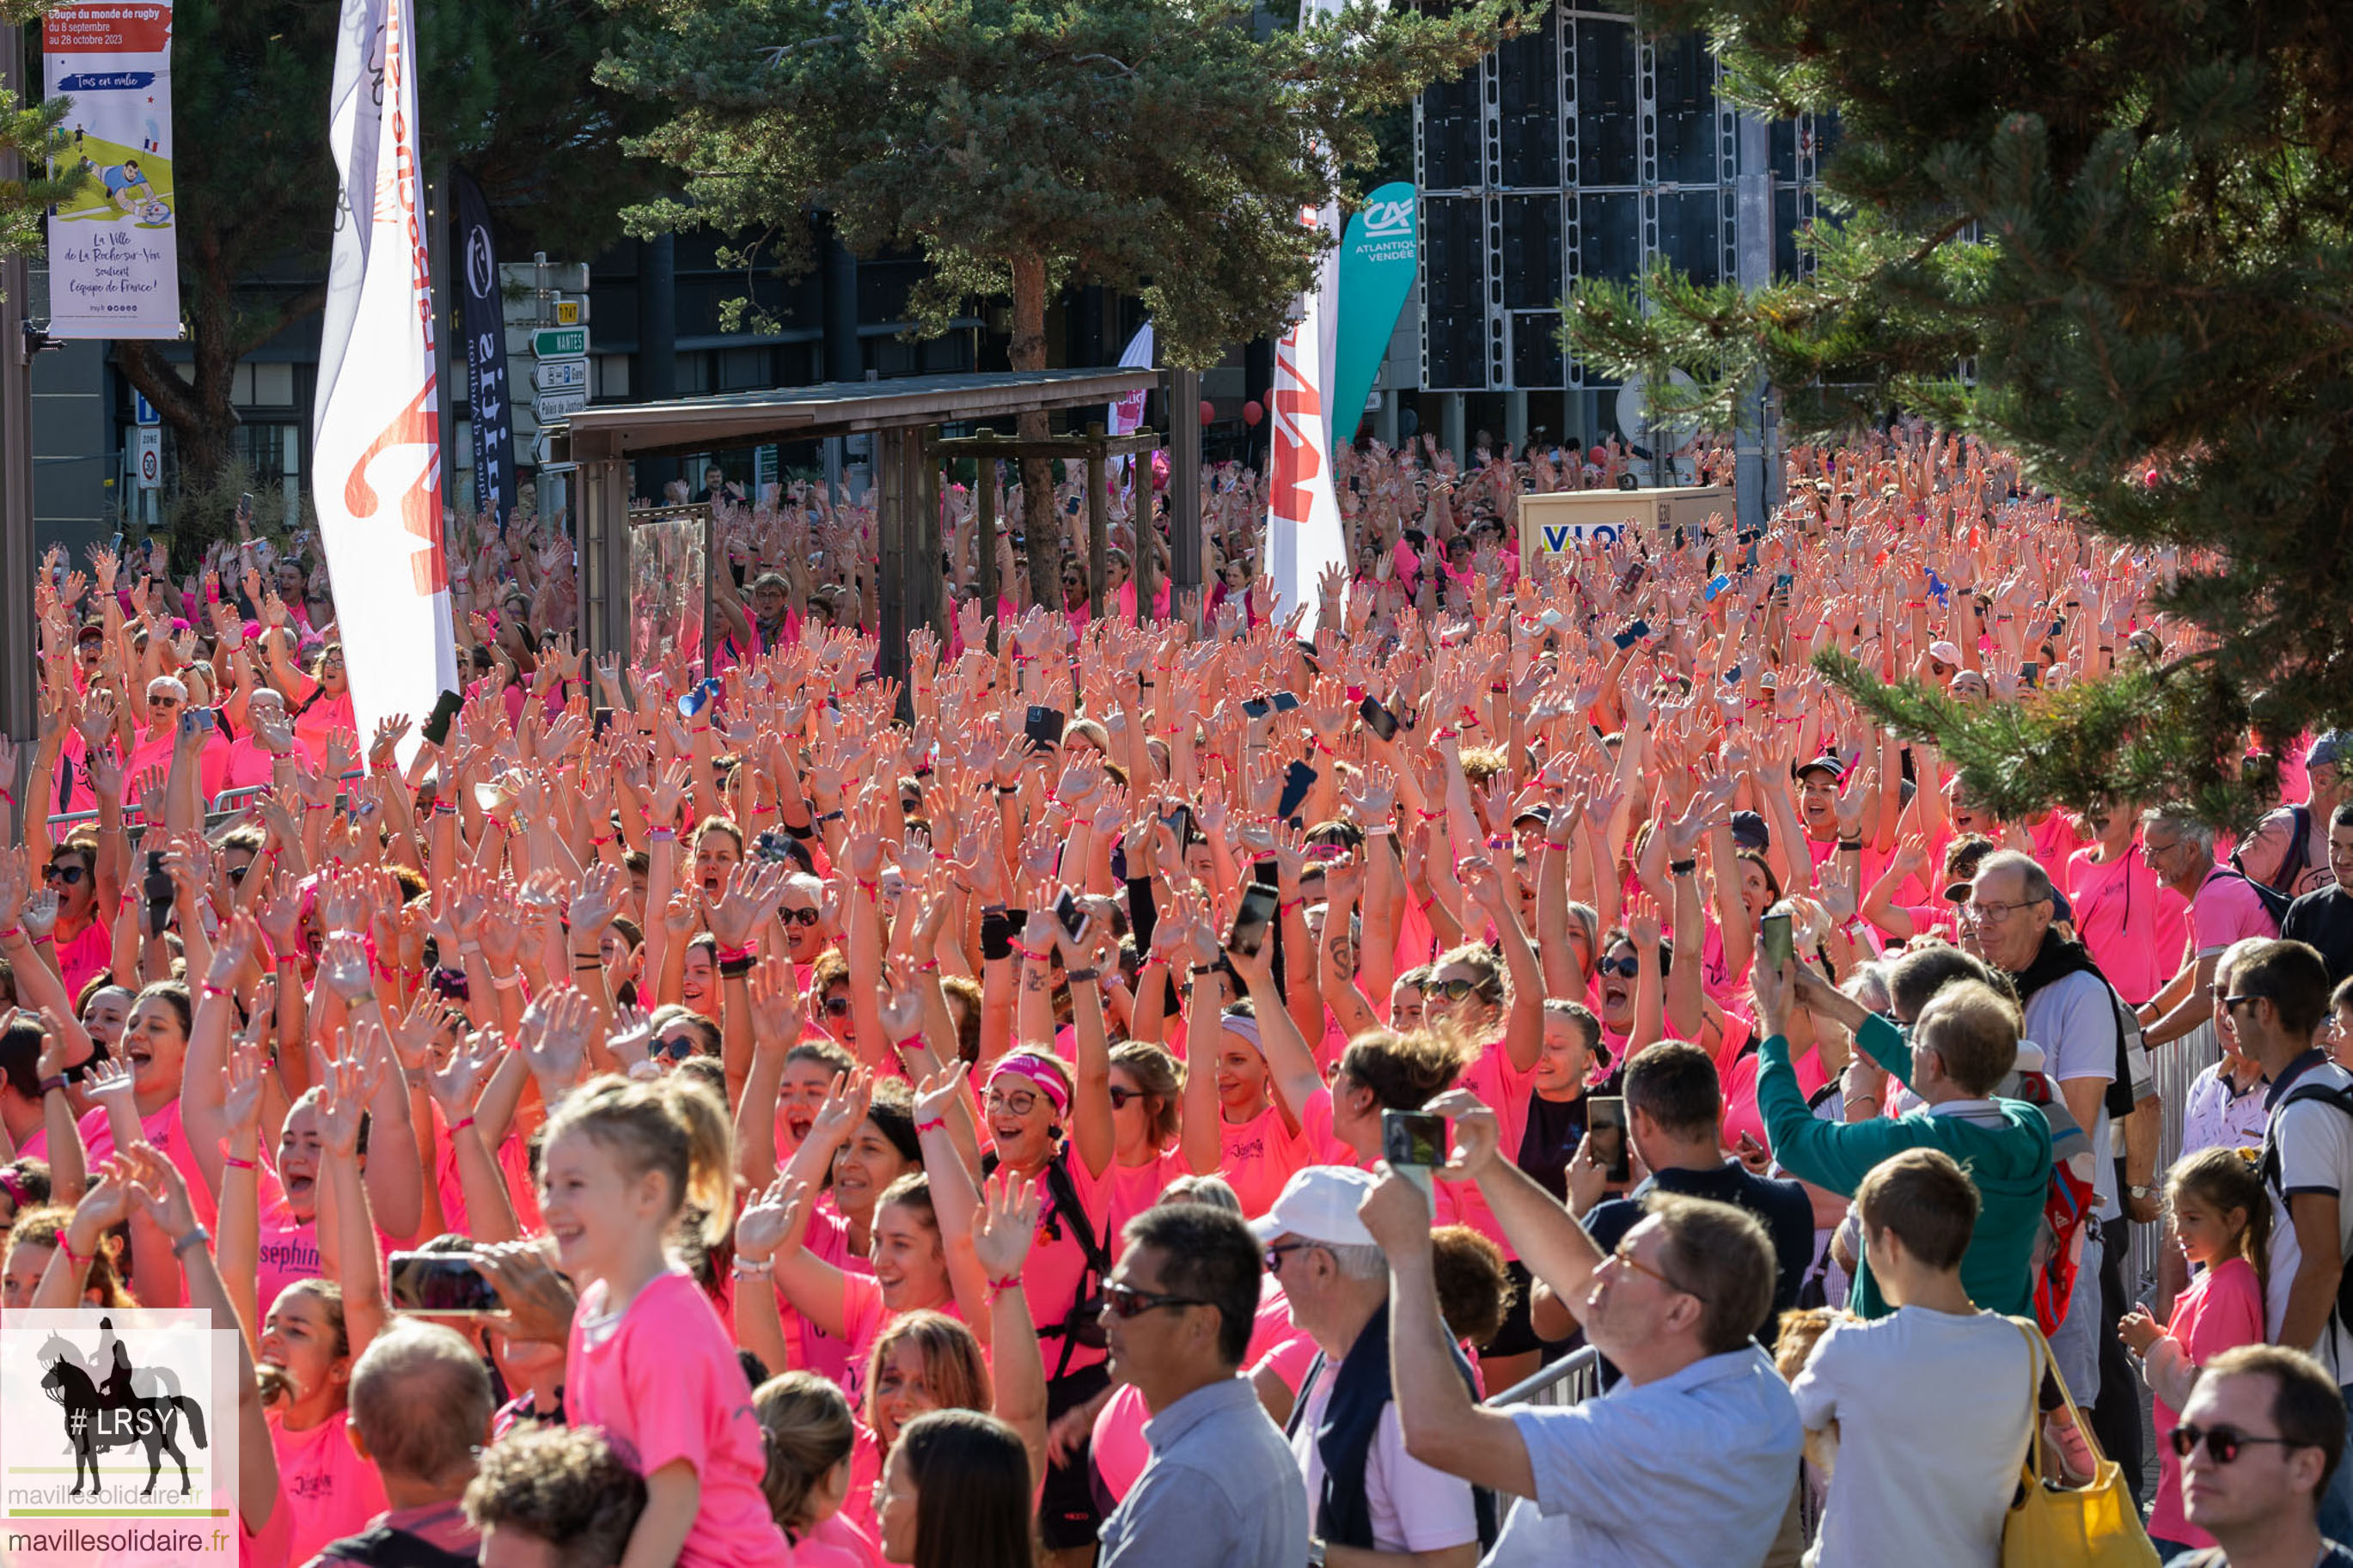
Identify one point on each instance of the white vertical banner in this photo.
(376, 473)
(1302, 521)
(1127, 414)
(114, 257)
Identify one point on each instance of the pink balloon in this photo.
(2152, 479)
(1252, 413)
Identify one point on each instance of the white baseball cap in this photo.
(1319, 1203)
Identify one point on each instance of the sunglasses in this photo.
(237, 873)
(798, 917)
(837, 1006)
(677, 1048)
(1453, 990)
(2222, 1443)
(1121, 1098)
(70, 875)
(1126, 1302)
(1628, 967)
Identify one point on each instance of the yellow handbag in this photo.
(2056, 1526)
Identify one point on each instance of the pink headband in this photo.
(13, 1188)
(1037, 1070)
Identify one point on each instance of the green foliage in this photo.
(31, 134)
(2136, 225)
(1158, 147)
(504, 89)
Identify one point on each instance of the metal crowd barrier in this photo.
(1571, 1380)
(2176, 1066)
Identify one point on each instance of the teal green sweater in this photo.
(2011, 1165)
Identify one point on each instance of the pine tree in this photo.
(1157, 147)
(32, 135)
(2134, 222)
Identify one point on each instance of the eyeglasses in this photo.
(2222, 1443)
(798, 917)
(1126, 1302)
(69, 875)
(1274, 1253)
(837, 1006)
(1994, 914)
(1629, 967)
(1621, 1255)
(1453, 990)
(1021, 1102)
(1121, 1098)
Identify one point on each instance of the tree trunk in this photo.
(1028, 351)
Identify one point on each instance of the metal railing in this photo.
(1572, 1380)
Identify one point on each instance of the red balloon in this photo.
(1209, 412)
(1252, 413)
(2154, 480)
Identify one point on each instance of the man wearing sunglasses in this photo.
(2260, 1440)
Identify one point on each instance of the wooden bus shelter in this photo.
(903, 415)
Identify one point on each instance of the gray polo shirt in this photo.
(1221, 1489)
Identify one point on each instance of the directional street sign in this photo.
(561, 375)
(559, 342)
(553, 406)
(145, 414)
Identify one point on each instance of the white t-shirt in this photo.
(2075, 1022)
(1919, 1481)
(1414, 1508)
(2315, 1148)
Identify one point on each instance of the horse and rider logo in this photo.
(107, 1402)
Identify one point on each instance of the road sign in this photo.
(146, 414)
(559, 342)
(148, 455)
(567, 312)
(552, 405)
(560, 375)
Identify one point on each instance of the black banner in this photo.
(484, 319)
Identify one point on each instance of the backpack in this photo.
(2275, 902)
(2292, 864)
(2342, 1098)
(2067, 1204)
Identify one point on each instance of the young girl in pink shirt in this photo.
(648, 1360)
(812, 1440)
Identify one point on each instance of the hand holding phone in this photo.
(445, 1284)
(1776, 941)
(1252, 919)
(1605, 1130)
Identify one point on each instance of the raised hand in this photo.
(596, 900)
(453, 1084)
(752, 894)
(1005, 1224)
(937, 1093)
(343, 968)
(776, 1219)
(632, 1036)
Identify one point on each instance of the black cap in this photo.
(1749, 831)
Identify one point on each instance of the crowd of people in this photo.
(1194, 1088)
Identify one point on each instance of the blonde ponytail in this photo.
(675, 1126)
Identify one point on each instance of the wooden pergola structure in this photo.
(903, 415)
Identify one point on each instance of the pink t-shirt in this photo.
(84, 955)
(327, 1490)
(2130, 921)
(815, 1350)
(2223, 1308)
(267, 1549)
(162, 1131)
(1119, 1451)
(863, 1319)
(1056, 1271)
(2056, 837)
(1740, 1112)
(289, 1247)
(514, 1160)
(1123, 1192)
(662, 1380)
(1257, 1157)
(2226, 910)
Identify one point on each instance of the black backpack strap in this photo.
(1083, 1308)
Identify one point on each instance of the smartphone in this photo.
(1776, 941)
(1285, 701)
(1067, 910)
(436, 728)
(1413, 1139)
(157, 884)
(1605, 1124)
(1378, 719)
(1633, 579)
(1732, 676)
(2030, 670)
(1180, 822)
(770, 846)
(600, 720)
(244, 510)
(489, 796)
(1252, 919)
(1297, 780)
(445, 1284)
(1552, 620)
(1044, 726)
(1720, 582)
(1257, 708)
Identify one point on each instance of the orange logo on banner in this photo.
(1298, 414)
(420, 497)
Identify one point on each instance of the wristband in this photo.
(1008, 789)
(460, 1126)
(80, 1261)
(833, 815)
(233, 1163)
(1204, 969)
(11, 934)
(507, 982)
(999, 1287)
(736, 968)
(195, 1237)
(209, 989)
(661, 834)
(444, 808)
(728, 955)
(1291, 907)
(1079, 976)
(755, 1268)
(805, 830)
(1681, 867)
(870, 888)
(1382, 830)
(1851, 845)
(929, 966)
(54, 1084)
(1027, 953)
(936, 1124)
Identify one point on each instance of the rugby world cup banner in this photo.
(376, 476)
(114, 254)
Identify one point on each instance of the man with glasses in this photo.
(1220, 1488)
(2323, 919)
(2086, 1033)
(1368, 1500)
(2277, 999)
(2261, 1440)
(1690, 1458)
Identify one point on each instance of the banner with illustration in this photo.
(114, 262)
